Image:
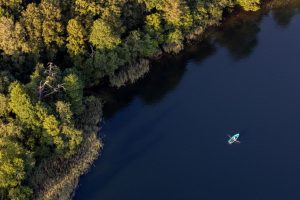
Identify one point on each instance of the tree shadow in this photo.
(284, 15)
(164, 76)
(238, 34)
(124, 151)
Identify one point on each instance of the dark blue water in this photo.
(168, 139)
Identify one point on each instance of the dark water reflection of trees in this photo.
(238, 34)
(284, 15)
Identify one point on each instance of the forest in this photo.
(54, 50)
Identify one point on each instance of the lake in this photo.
(166, 136)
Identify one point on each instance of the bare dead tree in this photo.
(41, 89)
(56, 89)
(50, 70)
(92, 51)
(45, 89)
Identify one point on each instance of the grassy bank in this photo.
(57, 177)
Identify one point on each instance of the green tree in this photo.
(12, 168)
(32, 20)
(172, 11)
(20, 193)
(174, 42)
(11, 3)
(132, 14)
(64, 111)
(4, 108)
(73, 138)
(85, 7)
(12, 37)
(154, 27)
(5, 79)
(20, 103)
(44, 27)
(102, 35)
(52, 133)
(74, 90)
(108, 62)
(52, 24)
(10, 7)
(10, 130)
(249, 5)
(76, 37)
(153, 4)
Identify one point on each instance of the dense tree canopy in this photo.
(249, 5)
(91, 30)
(102, 35)
(76, 38)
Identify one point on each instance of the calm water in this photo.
(166, 138)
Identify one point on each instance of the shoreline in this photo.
(65, 187)
(58, 177)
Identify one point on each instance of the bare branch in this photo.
(47, 88)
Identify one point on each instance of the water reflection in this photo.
(167, 74)
(239, 34)
(284, 15)
(163, 77)
(134, 146)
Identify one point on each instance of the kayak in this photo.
(234, 138)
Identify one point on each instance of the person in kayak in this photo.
(234, 138)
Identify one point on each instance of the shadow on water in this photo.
(168, 74)
(163, 77)
(132, 148)
(238, 34)
(284, 15)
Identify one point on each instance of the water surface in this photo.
(165, 138)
